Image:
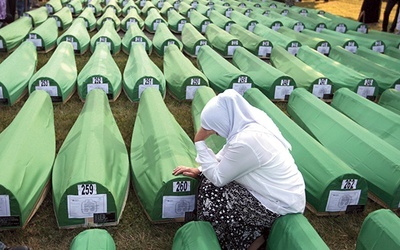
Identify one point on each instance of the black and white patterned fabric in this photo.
(237, 217)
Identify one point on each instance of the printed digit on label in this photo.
(368, 82)
(322, 81)
(97, 80)
(242, 79)
(44, 83)
(195, 81)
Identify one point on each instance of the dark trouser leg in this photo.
(393, 27)
(389, 6)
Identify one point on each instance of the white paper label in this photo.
(49, 8)
(130, 21)
(142, 3)
(37, 41)
(241, 87)
(341, 28)
(349, 184)
(231, 49)
(1, 44)
(180, 25)
(365, 91)
(72, 9)
(298, 27)
(362, 29)
(282, 91)
(87, 189)
(204, 26)
(276, 26)
(1, 93)
(320, 90)
(143, 87)
(190, 92)
(293, 50)
(155, 24)
(252, 26)
(51, 90)
(181, 186)
(93, 8)
(142, 43)
(97, 86)
(228, 27)
(264, 50)
(378, 48)
(104, 40)
(339, 200)
(323, 49)
(5, 205)
(176, 206)
(228, 12)
(351, 46)
(320, 28)
(84, 206)
(397, 87)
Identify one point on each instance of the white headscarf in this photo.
(229, 113)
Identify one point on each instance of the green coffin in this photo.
(130, 6)
(309, 23)
(183, 78)
(100, 72)
(254, 43)
(107, 34)
(146, 7)
(152, 20)
(58, 76)
(13, 34)
(273, 83)
(333, 39)
(277, 38)
(204, 10)
(350, 24)
(90, 20)
(167, 7)
(202, 96)
(393, 52)
(131, 18)
(141, 73)
(28, 147)
(95, 6)
(93, 239)
(222, 41)
(163, 38)
(15, 72)
(63, 18)
(286, 21)
(390, 99)
(376, 119)
(134, 34)
(199, 21)
(155, 152)
(318, 44)
(91, 171)
(196, 235)
(192, 40)
(158, 3)
(266, 20)
(222, 74)
(379, 231)
(294, 231)
(391, 40)
(223, 10)
(386, 78)
(175, 21)
(75, 6)
(37, 16)
(112, 4)
(109, 15)
(220, 20)
(243, 20)
(381, 59)
(340, 75)
(45, 35)
(53, 6)
(328, 179)
(374, 159)
(77, 35)
(304, 75)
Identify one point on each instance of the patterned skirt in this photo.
(237, 217)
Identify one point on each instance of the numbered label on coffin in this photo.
(1, 44)
(265, 49)
(104, 40)
(241, 85)
(339, 200)
(87, 189)
(72, 41)
(49, 8)
(98, 83)
(351, 46)
(44, 84)
(139, 39)
(5, 205)
(293, 48)
(397, 87)
(177, 206)
(195, 83)
(378, 47)
(84, 206)
(298, 27)
(37, 41)
(284, 90)
(232, 47)
(130, 21)
(322, 88)
(1, 93)
(204, 26)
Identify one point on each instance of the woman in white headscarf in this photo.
(253, 179)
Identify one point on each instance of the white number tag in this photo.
(1, 93)
(195, 81)
(87, 189)
(181, 186)
(148, 81)
(349, 184)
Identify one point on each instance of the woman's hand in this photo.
(191, 172)
(203, 134)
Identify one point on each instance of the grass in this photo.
(134, 230)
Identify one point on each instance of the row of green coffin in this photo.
(342, 189)
(293, 231)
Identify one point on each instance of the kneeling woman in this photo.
(252, 180)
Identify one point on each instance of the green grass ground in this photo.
(134, 230)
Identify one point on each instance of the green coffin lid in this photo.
(13, 34)
(390, 99)
(333, 39)
(192, 39)
(163, 38)
(77, 35)
(45, 35)
(109, 14)
(221, 40)
(196, 235)
(93, 239)
(108, 35)
(38, 16)
(64, 18)
(90, 20)
(134, 34)
(159, 191)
